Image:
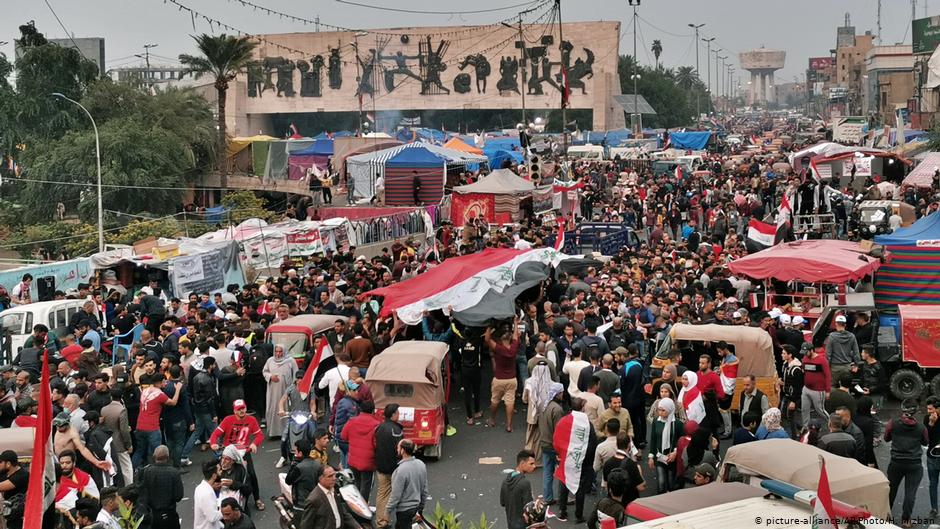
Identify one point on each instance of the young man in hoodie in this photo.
(791, 387)
(842, 350)
(907, 437)
(516, 490)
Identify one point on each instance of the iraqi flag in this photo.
(42, 482)
(571, 439)
(824, 513)
(560, 237)
(678, 173)
(761, 235)
(693, 404)
(322, 360)
(566, 88)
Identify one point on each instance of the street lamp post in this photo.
(636, 75)
(708, 64)
(98, 162)
(698, 112)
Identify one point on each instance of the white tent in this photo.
(500, 181)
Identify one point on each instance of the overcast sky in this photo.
(803, 28)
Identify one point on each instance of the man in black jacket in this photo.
(387, 436)
(161, 489)
(907, 436)
(301, 476)
(791, 387)
(516, 490)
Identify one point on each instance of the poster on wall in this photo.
(472, 205)
(305, 242)
(862, 166)
(203, 272)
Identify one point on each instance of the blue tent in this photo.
(497, 157)
(912, 276)
(321, 147)
(507, 142)
(416, 157)
(695, 141)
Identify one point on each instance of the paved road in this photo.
(458, 481)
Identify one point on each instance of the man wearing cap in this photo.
(842, 350)
(244, 432)
(787, 334)
(704, 474)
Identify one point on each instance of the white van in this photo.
(19, 320)
(586, 152)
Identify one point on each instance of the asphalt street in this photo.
(459, 481)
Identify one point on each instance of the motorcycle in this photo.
(289, 515)
(300, 425)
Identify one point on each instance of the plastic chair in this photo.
(133, 334)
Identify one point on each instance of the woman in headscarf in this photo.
(665, 392)
(663, 440)
(279, 373)
(670, 378)
(770, 427)
(536, 395)
(690, 397)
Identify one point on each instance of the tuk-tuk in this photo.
(688, 499)
(299, 333)
(873, 216)
(20, 440)
(416, 376)
(798, 464)
(752, 346)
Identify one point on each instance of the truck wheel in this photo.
(906, 384)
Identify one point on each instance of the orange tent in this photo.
(459, 145)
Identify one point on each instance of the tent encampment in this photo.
(317, 154)
(912, 276)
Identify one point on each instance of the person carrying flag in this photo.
(244, 433)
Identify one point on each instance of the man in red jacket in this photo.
(359, 432)
(242, 431)
(817, 381)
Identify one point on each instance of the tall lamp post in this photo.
(695, 28)
(636, 74)
(98, 162)
(708, 65)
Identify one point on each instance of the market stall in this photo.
(913, 274)
(497, 198)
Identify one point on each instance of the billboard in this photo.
(849, 130)
(817, 64)
(926, 32)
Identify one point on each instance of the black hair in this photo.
(524, 455)
(209, 469)
(231, 503)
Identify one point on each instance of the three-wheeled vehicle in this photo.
(873, 216)
(752, 345)
(798, 464)
(298, 334)
(416, 376)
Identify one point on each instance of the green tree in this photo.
(244, 205)
(223, 57)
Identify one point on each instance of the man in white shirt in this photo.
(109, 505)
(206, 514)
(334, 377)
(573, 368)
(379, 197)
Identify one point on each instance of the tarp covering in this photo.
(500, 181)
(498, 157)
(457, 144)
(279, 156)
(922, 175)
(320, 147)
(912, 275)
(920, 333)
(459, 282)
(826, 261)
(418, 157)
(695, 140)
(240, 143)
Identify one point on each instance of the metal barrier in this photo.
(822, 224)
(604, 237)
(386, 228)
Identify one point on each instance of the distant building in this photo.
(160, 76)
(890, 81)
(92, 48)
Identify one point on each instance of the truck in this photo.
(906, 343)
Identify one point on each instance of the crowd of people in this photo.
(201, 375)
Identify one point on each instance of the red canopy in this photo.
(816, 261)
(450, 273)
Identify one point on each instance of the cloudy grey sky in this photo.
(804, 28)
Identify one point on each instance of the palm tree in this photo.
(685, 76)
(657, 50)
(222, 57)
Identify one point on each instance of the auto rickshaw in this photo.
(298, 333)
(752, 345)
(798, 464)
(416, 376)
(873, 216)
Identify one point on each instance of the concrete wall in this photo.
(593, 43)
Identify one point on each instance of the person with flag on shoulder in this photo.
(728, 376)
(575, 443)
(244, 432)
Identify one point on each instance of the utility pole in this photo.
(565, 95)
(147, 61)
(708, 64)
(879, 22)
(718, 84)
(695, 27)
(522, 64)
(636, 126)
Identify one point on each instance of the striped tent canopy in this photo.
(363, 169)
(912, 276)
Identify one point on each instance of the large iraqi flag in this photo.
(42, 482)
(459, 282)
(571, 439)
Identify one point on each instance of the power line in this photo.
(425, 12)
(115, 186)
(650, 24)
(67, 32)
